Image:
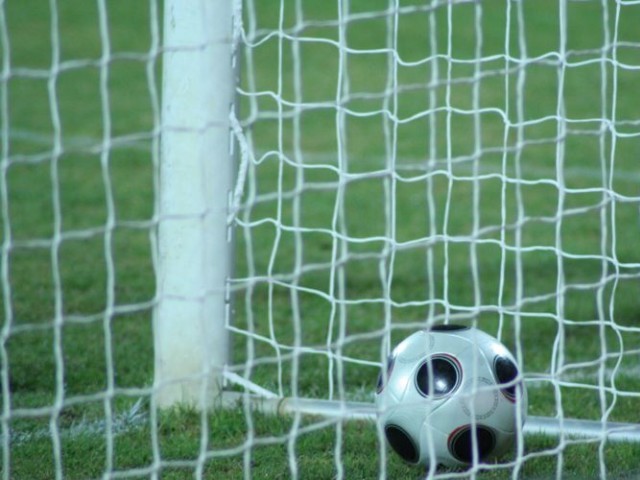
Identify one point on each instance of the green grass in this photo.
(451, 260)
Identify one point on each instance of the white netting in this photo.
(409, 164)
(79, 130)
(400, 164)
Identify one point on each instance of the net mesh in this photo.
(399, 165)
(444, 162)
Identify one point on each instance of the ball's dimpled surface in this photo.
(448, 328)
(506, 373)
(443, 388)
(438, 375)
(402, 443)
(461, 442)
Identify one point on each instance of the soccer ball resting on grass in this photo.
(443, 384)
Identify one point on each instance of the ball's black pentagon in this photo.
(506, 373)
(381, 376)
(448, 328)
(438, 375)
(461, 444)
(401, 443)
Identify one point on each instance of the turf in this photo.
(420, 240)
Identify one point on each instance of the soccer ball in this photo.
(449, 395)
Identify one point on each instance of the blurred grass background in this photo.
(424, 161)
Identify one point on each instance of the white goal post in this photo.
(520, 151)
(196, 172)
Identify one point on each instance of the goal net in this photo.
(248, 204)
(404, 164)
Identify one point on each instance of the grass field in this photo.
(442, 188)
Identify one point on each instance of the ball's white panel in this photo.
(414, 348)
